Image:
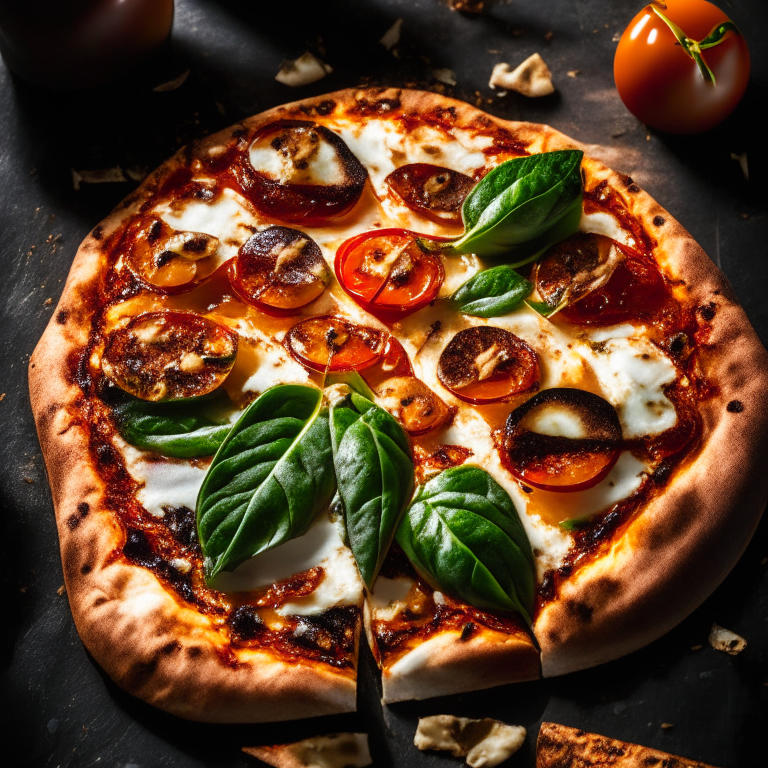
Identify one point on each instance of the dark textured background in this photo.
(59, 708)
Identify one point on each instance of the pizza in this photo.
(380, 364)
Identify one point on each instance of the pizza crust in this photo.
(670, 558)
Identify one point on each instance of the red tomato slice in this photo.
(485, 364)
(394, 362)
(636, 289)
(562, 440)
(387, 273)
(331, 343)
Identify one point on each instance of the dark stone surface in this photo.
(59, 710)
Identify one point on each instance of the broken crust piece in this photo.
(532, 78)
(562, 747)
(340, 750)
(722, 639)
(303, 71)
(484, 743)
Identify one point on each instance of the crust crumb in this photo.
(340, 750)
(722, 639)
(532, 78)
(468, 6)
(302, 71)
(484, 743)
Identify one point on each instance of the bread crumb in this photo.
(302, 71)
(722, 639)
(61, 590)
(468, 6)
(484, 743)
(667, 726)
(444, 75)
(548, 37)
(172, 85)
(392, 36)
(340, 750)
(574, 72)
(742, 161)
(532, 78)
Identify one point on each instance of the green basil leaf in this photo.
(352, 379)
(544, 309)
(462, 533)
(512, 210)
(269, 479)
(492, 292)
(182, 429)
(374, 472)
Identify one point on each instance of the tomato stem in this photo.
(694, 48)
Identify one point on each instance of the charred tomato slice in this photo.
(432, 191)
(279, 270)
(414, 405)
(562, 440)
(167, 260)
(169, 355)
(331, 343)
(485, 364)
(299, 172)
(387, 273)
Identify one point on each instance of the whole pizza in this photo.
(378, 363)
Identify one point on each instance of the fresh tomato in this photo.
(386, 272)
(334, 344)
(662, 85)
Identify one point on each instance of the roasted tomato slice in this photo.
(414, 404)
(299, 172)
(279, 270)
(432, 191)
(167, 260)
(169, 355)
(485, 364)
(562, 440)
(386, 272)
(331, 343)
(607, 282)
(394, 361)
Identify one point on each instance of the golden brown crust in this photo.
(561, 747)
(670, 558)
(445, 664)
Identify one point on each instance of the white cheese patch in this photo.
(322, 545)
(632, 372)
(273, 366)
(166, 483)
(557, 421)
(226, 217)
(388, 597)
(601, 223)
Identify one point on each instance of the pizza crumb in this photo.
(339, 750)
(484, 743)
(97, 176)
(722, 639)
(172, 85)
(532, 78)
(548, 37)
(667, 726)
(696, 647)
(392, 36)
(302, 71)
(61, 590)
(444, 75)
(2, 397)
(48, 301)
(742, 161)
(468, 6)
(28, 480)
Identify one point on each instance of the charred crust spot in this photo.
(83, 508)
(240, 132)
(97, 232)
(100, 601)
(467, 630)
(74, 519)
(650, 760)
(193, 651)
(61, 317)
(735, 406)
(181, 522)
(86, 569)
(332, 633)
(633, 188)
(325, 107)
(658, 221)
(170, 648)
(245, 623)
(580, 610)
(707, 311)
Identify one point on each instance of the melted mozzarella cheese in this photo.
(602, 223)
(227, 217)
(633, 372)
(388, 597)
(322, 545)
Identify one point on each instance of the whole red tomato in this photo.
(662, 85)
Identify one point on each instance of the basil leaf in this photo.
(182, 429)
(514, 208)
(269, 479)
(492, 292)
(374, 472)
(462, 533)
(352, 379)
(544, 309)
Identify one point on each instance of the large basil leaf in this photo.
(463, 535)
(516, 206)
(271, 476)
(182, 429)
(492, 292)
(374, 472)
